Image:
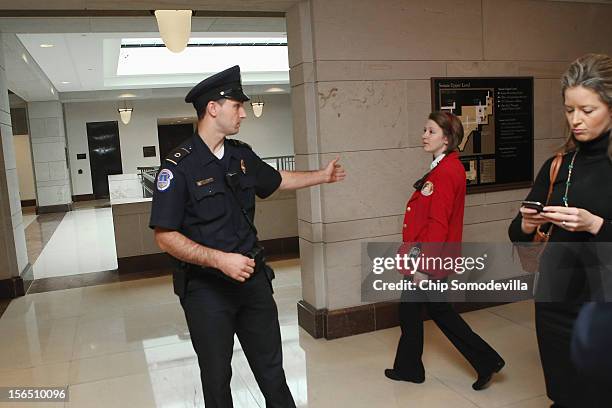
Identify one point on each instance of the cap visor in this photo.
(237, 95)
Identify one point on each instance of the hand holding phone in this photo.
(534, 205)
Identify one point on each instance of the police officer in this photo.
(202, 214)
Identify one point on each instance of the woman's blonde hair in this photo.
(592, 71)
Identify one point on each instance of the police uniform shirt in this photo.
(192, 197)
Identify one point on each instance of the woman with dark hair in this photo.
(434, 214)
(580, 215)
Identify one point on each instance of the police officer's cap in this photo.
(225, 84)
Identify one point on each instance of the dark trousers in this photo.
(408, 361)
(215, 310)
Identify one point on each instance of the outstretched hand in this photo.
(334, 172)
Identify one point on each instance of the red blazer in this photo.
(435, 213)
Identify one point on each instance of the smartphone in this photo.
(534, 205)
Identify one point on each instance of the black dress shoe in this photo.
(484, 379)
(394, 375)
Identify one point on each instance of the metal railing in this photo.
(281, 162)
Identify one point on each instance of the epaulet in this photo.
(238, 143)
(178, 154)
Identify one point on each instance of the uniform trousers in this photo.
(408, 358)
(215, 310)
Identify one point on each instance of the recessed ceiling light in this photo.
(23, 57)
(53, 91)
(65, 82)
(274, 89)
(47, 45)
(185, 118)
(127, 95)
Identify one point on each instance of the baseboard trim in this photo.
(83, 197)
(143, 263)
(28, 203)
(47, 209)
(11, 288)
(334, 324)
(27, 275)
(288, 247)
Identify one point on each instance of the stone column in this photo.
(13, 252)
(48, 137)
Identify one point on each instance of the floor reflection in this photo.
(126, 344)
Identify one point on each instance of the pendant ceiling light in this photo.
(125, 113)
(174, 28)
(257, 108)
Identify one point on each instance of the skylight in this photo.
(203, 55)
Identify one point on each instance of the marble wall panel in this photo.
(506, 196)
(5, 117)
(9, 147)
(125, 226)
(379, 183)
(493, 231)
(542, 122)
(4, 100)
(53, 195)
(58, 171)
(311, 232)
(543, 150)
(20, 247)
(132, 208)
(302, 73)
(549, 31)
(474, 199)
(343, 267)
(304, 119)
(37, 128)
(54, 127)
(309, 199)
(12, 180)
(313, 273)
(378, 70)
(299, 34)
(42, 171)
(48, 152)
(45, 110)
(362, 115)
(360, 229)
(147, 236)
(40, 140)
(394, 29)
(490, 212)
(282, 224)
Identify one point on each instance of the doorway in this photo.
(104, 155)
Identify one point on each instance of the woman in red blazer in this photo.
(434, 214)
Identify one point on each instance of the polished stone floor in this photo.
(126, 344)
(81, 241)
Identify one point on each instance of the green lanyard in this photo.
(569, 177)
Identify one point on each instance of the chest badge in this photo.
(201, 183)
(427, 189)
(242, 166)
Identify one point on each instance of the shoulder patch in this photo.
(238, 143)
(427, 189)
(178, 154)
(164, 179)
